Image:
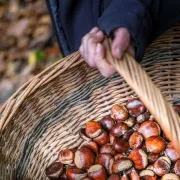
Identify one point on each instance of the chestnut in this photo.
(55, 170)
(111, 138)
(162, 166)
(134, 175)
(152, 157)
(170, 176)
(128, 134)
(177, 167)
(83, 134)
(102, 139)
(136, 140)
(93, 146)
(150, 167)
(74, 173)
(114, 177)
(119, 112)
(107, 148)
(87, 178)
(107, 123)
(124, 177)
(119, 156)
(130, 122)
(143, 117)
(155, 144)
(105, 160)
(84, 158)
(171, 152)
(97, 172)
(119, 129)
(147, 175)
(121, 165)
(149, 128)
(120, 145)
(136, 127)
(93, 129)
(135, 107)
(139, 158)
(66, 156)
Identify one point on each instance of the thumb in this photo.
(120, 42)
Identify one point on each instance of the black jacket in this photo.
(145, 19)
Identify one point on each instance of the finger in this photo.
(101, 63)
(120, 42)
(91, 47)
(84, 40)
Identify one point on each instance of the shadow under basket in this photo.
(45, 114)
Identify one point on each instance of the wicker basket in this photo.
(45, 114)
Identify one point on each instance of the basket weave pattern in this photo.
(46, 114)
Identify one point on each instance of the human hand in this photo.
(93, 50)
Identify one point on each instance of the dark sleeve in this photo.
(138, 16)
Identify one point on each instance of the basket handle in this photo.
(149, 94)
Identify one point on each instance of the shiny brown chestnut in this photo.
(149, 128)
(84, 158)
(55, 170)
(87, 178)
(171, 152)
(120, 145)
(83, 134)
(135, 107)
(136, 127)
(111, 138)
(97, 172)
(124, 177)
(93, 129)
(119, 156)
(139, 158)
(121, 165)
(105, 160)
(74, 173)
(114, 177)
(170, 176)
(93, 146)
(119, 112)
(162, 166)
(134, 175)
(152, 157)
(147, 175)
(177, 167)
(143, 117)
(155, 144)
(107, 123)
(130, 122)
(107, 148)
(119, 129)
(66, 156)
(136, 140)
(102, 139)
(128, 134)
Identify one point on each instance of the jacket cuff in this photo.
(139, 28)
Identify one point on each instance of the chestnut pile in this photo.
(128, 145)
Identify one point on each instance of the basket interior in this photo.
(50, 116)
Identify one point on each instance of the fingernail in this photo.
(94, 30)
(99, 33)
(119, 53)
(98, 48)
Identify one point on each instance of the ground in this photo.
(28, 44)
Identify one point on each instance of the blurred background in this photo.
(27, 43)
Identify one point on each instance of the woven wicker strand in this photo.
(149, 94)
